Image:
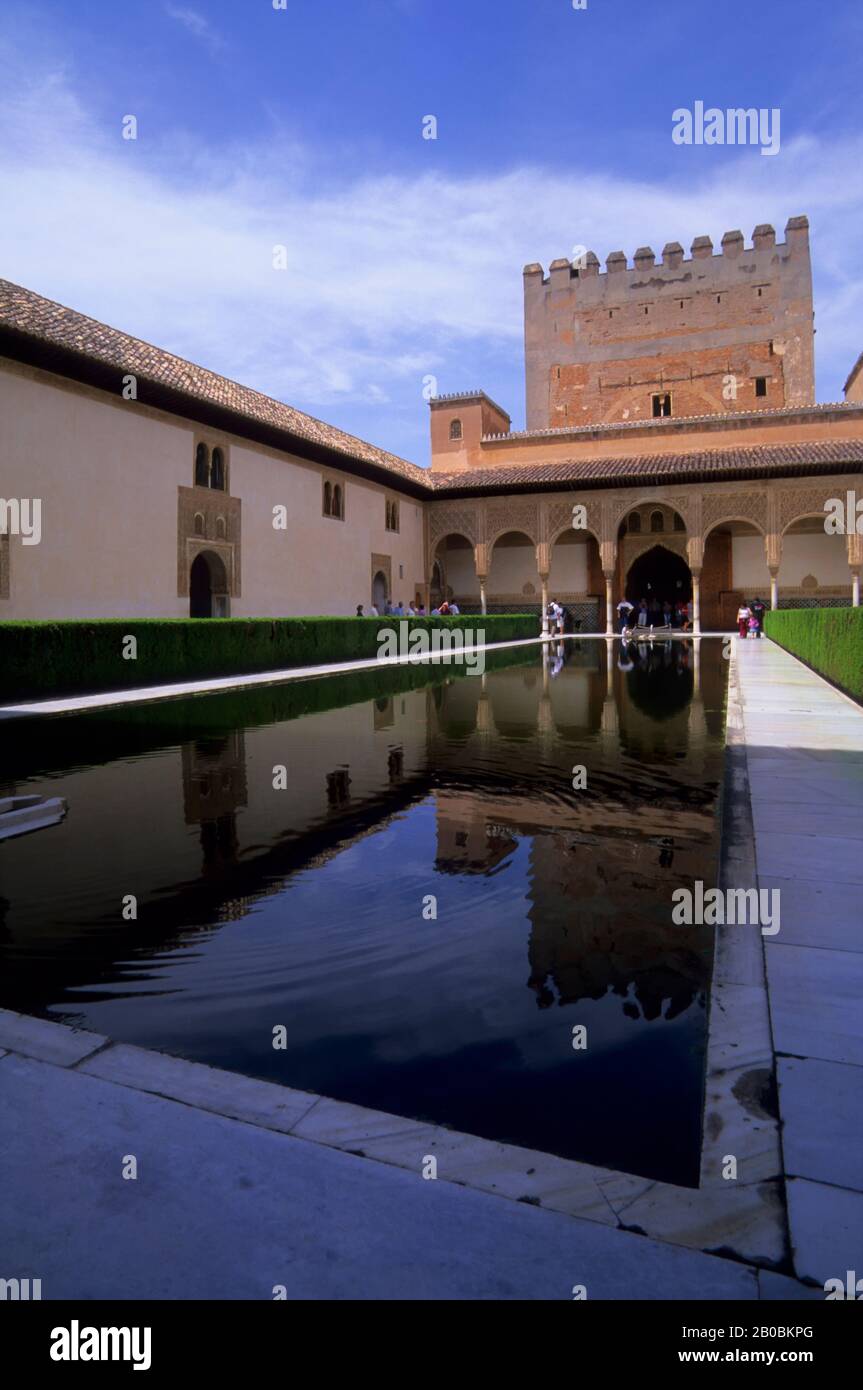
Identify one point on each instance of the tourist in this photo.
(359, 610)
(444, 609)
(667, 614)
(642, 620)
(454, 609)
(624, 608)
(421, 611)
(759, 608)
(374, 611)
(753, 626)
(743, 616)
(412, 612)
(399, 610)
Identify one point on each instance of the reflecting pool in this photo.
(428, 880)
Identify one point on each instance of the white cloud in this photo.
(389, 278)
(197, 25)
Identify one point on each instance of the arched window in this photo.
(455, 430)
(634, 522)
(392, 516)
(221, 528)
(657, 521)
(679, 523)
(337, 501)
(328, 499)
(217, 473)
(202, 466)
(199, 524)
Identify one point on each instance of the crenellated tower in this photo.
(710, 334)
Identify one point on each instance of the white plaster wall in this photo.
(749, 563)
(107, 474)
(803, 554)
(568, 572)
(511, 568)
(460, 571)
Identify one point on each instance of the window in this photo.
(392, 514)
(634, 522)
(657, 522)
(679, 524)
(328, 499)
(761, 386)
(202, 466)
(199, 524)
(661, 405)
(217, 472)
(221, 528)
(455, 430)
(338, 503)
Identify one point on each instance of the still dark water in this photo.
(309, 906)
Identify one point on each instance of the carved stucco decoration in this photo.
(686, 504)
(448, 519)
(794, 503)
(717, 507)
(637, 546)
(516, 515)
(558, 516)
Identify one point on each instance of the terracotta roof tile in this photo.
(53, 324)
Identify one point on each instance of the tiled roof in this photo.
(680, 423)
(705, 465)
(58, 327)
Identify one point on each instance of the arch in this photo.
(221, 528)
(217, 470)
(513, 573)
(198, 527)
(555, 533)
(659, 574)
(208, 586)
(657, 523)
(635, 504)
(380, 593)
(202, 466)
(728, 520)
(454, 558)
(633, 523)
(507, 529)
(808, 515)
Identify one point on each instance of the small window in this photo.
(328, 499)
(634, 522)
(646, 310)
(661, 406)
(455, 430)
(199, 524)
(392, 514)
(217, 472)
(657, 522)
(202, 466)
(679, 523)
(221, 528)
(761, 386)
(338, 504)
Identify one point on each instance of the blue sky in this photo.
(303, 128)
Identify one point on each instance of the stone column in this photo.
(855, 588)
(774, 590)
(544, 579)
(609, 609)
(696, 603)
(482, 583)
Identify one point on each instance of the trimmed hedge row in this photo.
(82, 657)
(830, 640)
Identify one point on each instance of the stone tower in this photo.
(703, 336)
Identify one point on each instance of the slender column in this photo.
(482, 583)
(696, 602)
(609, 610)
(855, 588)
(544, 578)
(774, 590)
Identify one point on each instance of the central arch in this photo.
(208, 586)
(658, 576)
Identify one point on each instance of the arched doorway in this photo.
(379, 591)
(208, 586)
(659, 576)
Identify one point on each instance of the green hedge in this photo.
(830, 640)
(83, 657)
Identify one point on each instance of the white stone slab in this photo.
(826, 1225)
(822, 1118)
(50, 1042)
(815, 1002)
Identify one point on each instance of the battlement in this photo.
(715, 331)
(587, 266)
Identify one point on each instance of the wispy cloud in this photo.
(389, 279)
(197, 25)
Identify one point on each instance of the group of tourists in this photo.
(413, 610)
(750, 618)
(653, 613)
(556, 618)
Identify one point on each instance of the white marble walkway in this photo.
(804, 749)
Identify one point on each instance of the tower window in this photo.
(661, 405)
(761, 386)
(455, 430)
(657, 522)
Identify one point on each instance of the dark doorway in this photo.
(208, 587)
(659, 576)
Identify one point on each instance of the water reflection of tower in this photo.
(214, 787)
